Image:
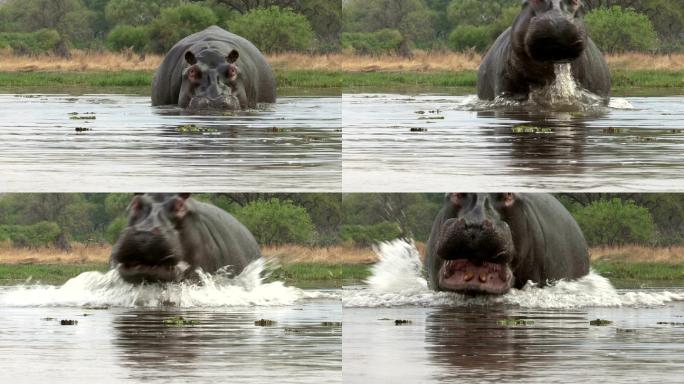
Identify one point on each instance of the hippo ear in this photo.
(233, 56)
(179, 209)
(508, 199)
(190, 58)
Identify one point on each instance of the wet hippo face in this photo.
(553, 30)
(149, 248)
(475, 245)
(212, 82)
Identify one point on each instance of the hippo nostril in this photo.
(487, 224)
(156, 231)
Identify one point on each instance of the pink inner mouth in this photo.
(465, 275)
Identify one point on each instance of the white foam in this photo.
(397, 280)
(620, 103)
(108, 289)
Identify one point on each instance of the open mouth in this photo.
(468, 276)
(550, 50)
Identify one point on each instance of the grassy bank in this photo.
(303, 71)
(136, 78)
(336, 265)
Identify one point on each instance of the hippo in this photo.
(168, 237)
(214, 70)
(525, 57)
(484, 243)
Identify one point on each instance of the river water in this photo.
(121, 334)
(433, 142)
(114, 142)
(528, 335)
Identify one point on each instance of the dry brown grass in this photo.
(79, 254)
(638, 253)
(421, 62)
(344, 254)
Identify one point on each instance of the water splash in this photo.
(397, 280)
(217, 290)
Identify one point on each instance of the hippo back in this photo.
(260, 84)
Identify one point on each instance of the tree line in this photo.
(399, 26)
(153, 26)
(324, 219)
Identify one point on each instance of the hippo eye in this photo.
(194, 74)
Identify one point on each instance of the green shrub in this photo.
(365, 235)
(114, 229)
(35, 235)
(176, 23)
(125, 36)
(277, 222)
(466, 37)
(30, 43)
(616, 222)
(274, 29)
(384, 41)
(617, 30)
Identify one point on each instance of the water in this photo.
(455, 338)
(121, 335)
(635, 144)
(294, 145)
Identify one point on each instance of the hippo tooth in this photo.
(468, 276)
(483, 276)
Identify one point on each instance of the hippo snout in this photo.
(481, 240)
(554, 38)
(215, 103)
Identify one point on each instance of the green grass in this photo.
(639, 270)
(11, 274)
(621, 79)
(301, 274)
(128, 79)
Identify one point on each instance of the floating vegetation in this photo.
(83, 116)
(331, 323)
(600, 322)
(612, 130)
(530, 129)
(431, 118)
(48, 318)
(68, 322)
(264, 323)
(96, 307)
(192, 128)
(179, 321)
(418, 129)
(82, 129)
(514, 322)
(402, 322)
(669, 323)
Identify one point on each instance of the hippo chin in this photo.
(214, 70)
(490, 243)
(526, 56)
(169, 237)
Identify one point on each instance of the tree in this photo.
(135, 12)
(616, 222)
(274, 29)
(277, 222)
(176, 23)
(617, 30)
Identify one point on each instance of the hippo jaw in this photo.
(148, 263)
(222, 103)
(468, 276)
(137, 273)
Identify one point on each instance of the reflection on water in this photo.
(429, 142)
(471, 344)
(118, 142)
(122, 336)
(134, 345)
(529, 335)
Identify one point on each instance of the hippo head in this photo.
(550, 31)
(212, 82)
(475, 247)
(149, 248)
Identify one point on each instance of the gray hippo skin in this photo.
(214, 69)
(489, 243)
(545, 33)
(169, 236)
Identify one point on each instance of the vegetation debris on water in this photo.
(600, 322)
(264, 323)
(179, 321)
